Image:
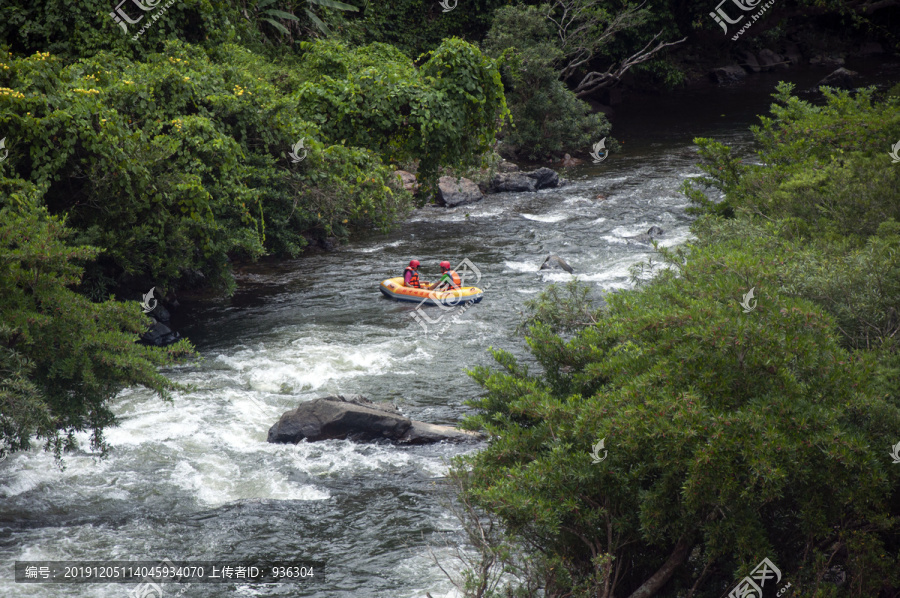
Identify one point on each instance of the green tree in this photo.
(63, 358)
(179, 163)
(731, 437)
(547, 118)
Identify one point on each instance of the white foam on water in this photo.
(631, 230)
(215, 480)
(545, 217)
(557, 276)
(309, 363)
(522, 266)
(574, 200)
(679, 239)
(379, 247)
(347, 459)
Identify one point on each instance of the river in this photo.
(195, 479)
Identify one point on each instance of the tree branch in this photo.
(664, 574)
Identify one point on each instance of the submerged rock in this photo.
(727, 74)
(356, 418)
(554, 262)
(652, 234)
(843, 78)
(456, 192)
(159, 335)
(833, 60)
(769, 60)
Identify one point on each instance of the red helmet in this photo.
(445, 264)
(414, 263)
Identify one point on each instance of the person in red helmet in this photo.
(449, 278)
(411, 275)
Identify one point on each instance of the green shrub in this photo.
(547, 117)
(63, 358)
(176, 164)
(731, 437)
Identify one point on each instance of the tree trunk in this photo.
(664, 574)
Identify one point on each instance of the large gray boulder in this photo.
(356, 418)
(159, 335)
(842, 78)
(554, 262)
(546, 178)
(542, 178)
(750, 62)
(769, 60)
(513, 181)
(727, 74)
(407, 180)
(456, 192)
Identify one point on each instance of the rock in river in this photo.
(554, 262)
(456, 192)
(652, 233)
(842, 78)
(354, 417)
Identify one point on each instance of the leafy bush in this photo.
(174, 164)
(62, 358)
(731, 437)
(547, 117)
(826, 165)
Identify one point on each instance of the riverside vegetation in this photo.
(732, 436)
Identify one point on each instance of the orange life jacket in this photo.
(413, 278)
(457, 281)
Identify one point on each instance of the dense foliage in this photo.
(731, 436)
(548, 119)
(175, 164)
(63, 358)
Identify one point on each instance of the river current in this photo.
(196, 480)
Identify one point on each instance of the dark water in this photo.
(195, 480)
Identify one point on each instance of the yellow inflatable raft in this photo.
(395, 289)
